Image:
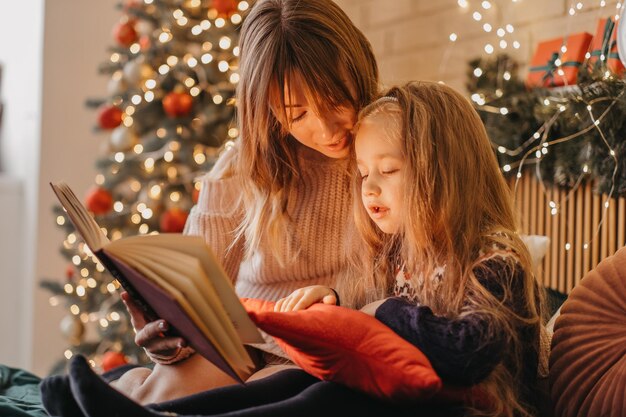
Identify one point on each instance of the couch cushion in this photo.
(588, 358)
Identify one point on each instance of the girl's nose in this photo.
(369, 187)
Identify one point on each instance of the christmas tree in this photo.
(168, 113)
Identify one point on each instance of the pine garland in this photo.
(553, 131)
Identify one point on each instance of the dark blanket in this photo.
(19, 394)
(287, 393)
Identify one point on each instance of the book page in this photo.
(197, 248)
(183, 292)
(83, 221)
(183, 271)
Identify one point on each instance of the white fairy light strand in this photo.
(594, 125)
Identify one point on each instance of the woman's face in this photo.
(328, 133)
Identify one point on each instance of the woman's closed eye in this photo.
(298, 117)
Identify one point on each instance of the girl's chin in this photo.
(386, 227)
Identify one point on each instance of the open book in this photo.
(176, 278)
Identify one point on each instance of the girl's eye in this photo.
(363, 177)
(390, 171)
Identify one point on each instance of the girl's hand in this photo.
(303, 298)
(150, 334)
(370, 309)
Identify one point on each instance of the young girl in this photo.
(439, 236)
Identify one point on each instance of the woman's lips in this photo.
(339, 145)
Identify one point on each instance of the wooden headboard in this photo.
(576, 223)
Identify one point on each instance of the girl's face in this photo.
(381, 165)
(328, 133)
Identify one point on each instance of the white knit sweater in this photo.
(319, 208)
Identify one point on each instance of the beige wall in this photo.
(51, 67)
(77, 34)
(411, 37)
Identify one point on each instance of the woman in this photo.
(275, 206)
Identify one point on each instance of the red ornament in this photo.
(144, 42)
(225, 7)
(177, 104)
(132, 4)
(99, 200)
(69, 272)
(111, 360)
(125, 33)
(173, 220)
(109, 117)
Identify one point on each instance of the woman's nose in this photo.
(328, 128)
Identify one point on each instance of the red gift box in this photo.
(603, 48)
(552, 67)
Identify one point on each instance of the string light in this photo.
(225, 42)
(543, 146)
(223, 66)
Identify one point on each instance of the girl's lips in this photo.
(378, 212)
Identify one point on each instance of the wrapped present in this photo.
(552, 65)
(603, 48)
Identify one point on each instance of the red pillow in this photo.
(349, 347)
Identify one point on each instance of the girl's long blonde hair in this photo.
(315, 41)
(457, 205)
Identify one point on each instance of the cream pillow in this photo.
(537, 247)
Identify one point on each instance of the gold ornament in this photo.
(73, 329)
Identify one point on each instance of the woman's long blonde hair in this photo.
(315, 41)
(457, 205)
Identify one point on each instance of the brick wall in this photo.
(411, 37)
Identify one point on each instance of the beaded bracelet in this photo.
(180, 354)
